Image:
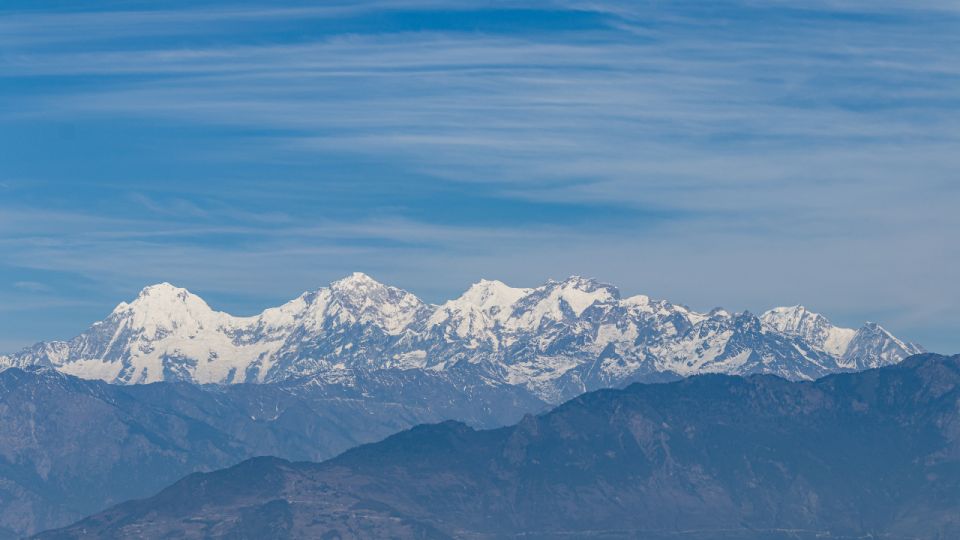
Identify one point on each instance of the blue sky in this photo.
(740, 154)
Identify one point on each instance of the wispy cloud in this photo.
(33, 286)
(676, 150)
(32, 28)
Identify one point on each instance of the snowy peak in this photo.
(478, 310)
(162, 296)
(580, 293)
(355, 299)
(811, 327)
(357, 283)
(163, 308)
(492, 295)
(793, 319)
(560, 300)
(873, 346)
(870, 346)
(164, 289)
(360, 298)
(360, 288)
(491, 302)
(580, 283)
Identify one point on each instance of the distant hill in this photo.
(70, 447)
(874, 454)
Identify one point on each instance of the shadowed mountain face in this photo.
(70, 447)
(872, 453)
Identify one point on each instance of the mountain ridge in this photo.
(867, 454)
(71, 446)
(557, 340)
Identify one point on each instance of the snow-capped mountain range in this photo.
(557, 340)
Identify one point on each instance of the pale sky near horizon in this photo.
(738, 154)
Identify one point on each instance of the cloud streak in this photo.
(742, 153)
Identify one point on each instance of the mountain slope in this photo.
(556, 340)
(70, 447)
(871, 454)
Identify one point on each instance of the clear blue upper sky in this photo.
(743, 154)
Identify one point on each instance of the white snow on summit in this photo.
(556, 339)
(812, 327)
(575, 294)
